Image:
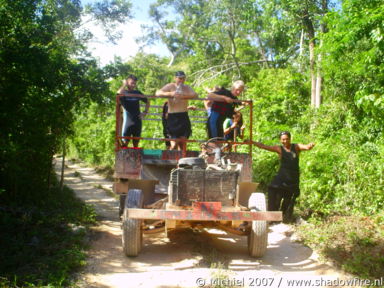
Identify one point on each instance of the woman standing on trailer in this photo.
(284, 188)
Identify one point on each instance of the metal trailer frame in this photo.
(139, 203)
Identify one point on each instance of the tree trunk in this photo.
(62, 167)
(307, 22)
(262, 50)
(312, 71)
(234, 52)
(319, 81)
(301, 43)
(172, 60)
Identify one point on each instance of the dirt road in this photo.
(188, 258)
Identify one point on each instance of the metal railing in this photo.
(118, 132)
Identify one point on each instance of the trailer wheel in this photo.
(132, 231)
(258, 237)
(192, 162)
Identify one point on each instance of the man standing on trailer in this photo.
(132, 123)
(178, 123)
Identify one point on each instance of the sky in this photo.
(126, 47)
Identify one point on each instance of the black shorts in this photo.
(134, 130)
(132, 126)
(179, 125)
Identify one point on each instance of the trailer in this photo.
(163, 190)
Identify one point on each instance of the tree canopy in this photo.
(45, 74)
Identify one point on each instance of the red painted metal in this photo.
(206, 206)
(203, 215)
(117, 111)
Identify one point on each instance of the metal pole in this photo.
(184, 152)
(117, 111)
(250, 128)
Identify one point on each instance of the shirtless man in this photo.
(178, 123)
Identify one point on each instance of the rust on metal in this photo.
(151, 214)
(206, 206)
(128, 163)
(200, 185)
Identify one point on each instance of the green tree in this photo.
(41, 82)
(209, 33)
(354, 65)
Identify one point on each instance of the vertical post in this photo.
(117, 111)
(184, 151)
(234, 139)
(250, 127)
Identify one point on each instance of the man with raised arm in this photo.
(132, 123)
(178, 123)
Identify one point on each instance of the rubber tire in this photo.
(258, 237)
(191, 162)
(132, 238)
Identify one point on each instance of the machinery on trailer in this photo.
(162, 190)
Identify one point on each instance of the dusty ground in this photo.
(187, 257)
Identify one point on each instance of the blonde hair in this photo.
(238, 84)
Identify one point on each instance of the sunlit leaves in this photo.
(355, 51)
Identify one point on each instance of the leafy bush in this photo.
(280, 97)
(43, 244)
(94, 135)
(353, 243)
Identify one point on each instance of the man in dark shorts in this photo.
(132, 123)
(178, 123)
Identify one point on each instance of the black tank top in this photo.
(288, 175)
(289, 160)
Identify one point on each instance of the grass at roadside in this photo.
(353, 243)
(43, 244)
